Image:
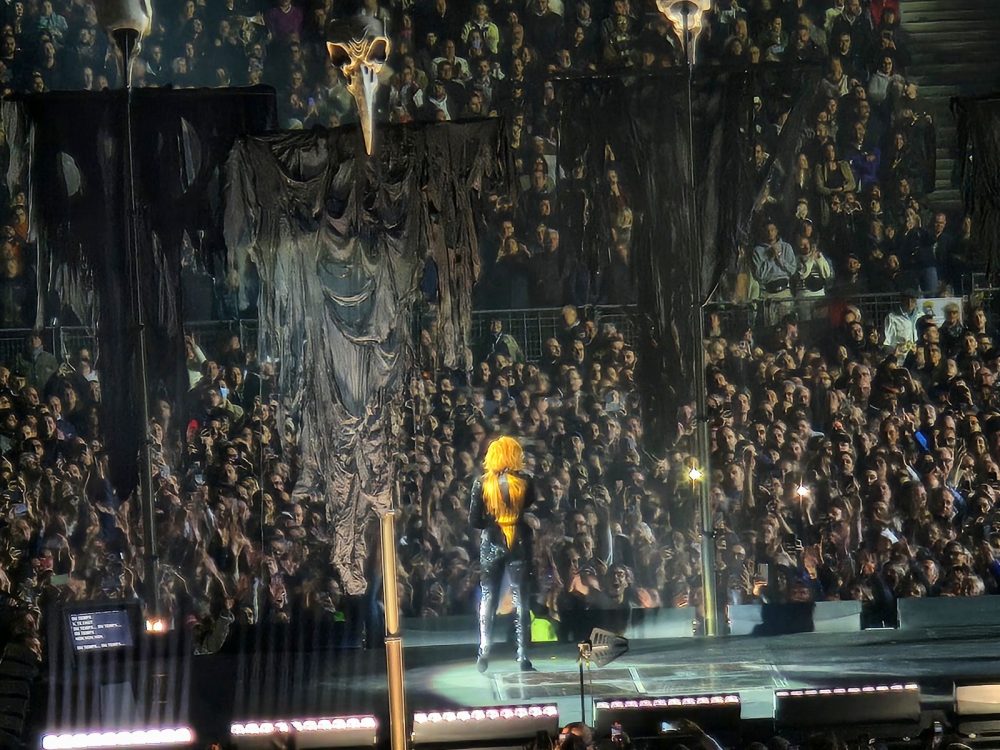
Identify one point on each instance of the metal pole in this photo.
(126, 40)
(701, 418)
(395, 670)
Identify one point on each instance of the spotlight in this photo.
(843, 706)
(645, 717)
(157, 625)
(977, 708)
(695, 474)
(504, 725)
(802, 491)
(149, 737)
(331, 731)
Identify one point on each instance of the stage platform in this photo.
(264, 686)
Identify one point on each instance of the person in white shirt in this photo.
(900, 333)
(814, 272)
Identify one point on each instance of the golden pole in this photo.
(393, 636)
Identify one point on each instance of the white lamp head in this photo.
(130, 15)
(126, 22)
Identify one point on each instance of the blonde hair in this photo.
(504, 456)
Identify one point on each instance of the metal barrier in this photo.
(13, 343)
(531, 327)
(734, 318)
(74, 338)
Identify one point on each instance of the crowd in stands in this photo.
(865, 156)
(859, 461)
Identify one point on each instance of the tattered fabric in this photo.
(979, 144)
(77, 173)
(640, 126)
(339, 243)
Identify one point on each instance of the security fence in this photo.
(531, 327)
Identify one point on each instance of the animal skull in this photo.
(676, 11)
(360, 48)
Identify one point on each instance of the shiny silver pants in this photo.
(494, 560)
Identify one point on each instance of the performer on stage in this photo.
(499, 499)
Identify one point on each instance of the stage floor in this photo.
(271, 686)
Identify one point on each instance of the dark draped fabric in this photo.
(979, 149)
(339, 242)
(77, 174)
(640, 126)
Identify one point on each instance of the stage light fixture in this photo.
(503, 724)
(327, 731)
(644, 717)
(977, 700)
(897, 703)
(157, 625)
(977, 708)
(147, 737)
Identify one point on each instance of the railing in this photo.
(66, 341)
(531, 327)
(759, 315)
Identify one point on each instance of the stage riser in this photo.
(778, 619)
(462, 630)
(915, 614)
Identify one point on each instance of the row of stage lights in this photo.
(900, 702)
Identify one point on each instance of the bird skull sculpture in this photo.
(360, 48)
(685, 14)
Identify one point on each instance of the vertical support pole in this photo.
(710, 600)
(127, 40)
(395, 670)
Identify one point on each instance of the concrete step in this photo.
(971, 30)
(949, 195)
(925, 6)
(930, 55)
(945, 91)
(911, 16)
(954, 51)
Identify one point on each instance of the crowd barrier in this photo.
(780, 619)
(947, 612)
(531, 327)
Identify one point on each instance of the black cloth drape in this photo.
(339, 242)
(77, 174)
(639, 126)
(979, 150)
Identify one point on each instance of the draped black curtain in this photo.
(641, 127)
(979, 150)
(339, 242)
(77, 173)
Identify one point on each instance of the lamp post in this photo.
(126, 22)
(359, 47)
(685, 16)
(394, 667)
